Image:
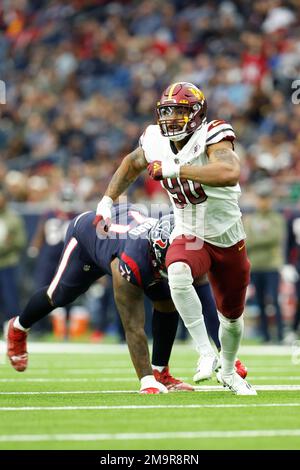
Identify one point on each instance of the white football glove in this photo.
(289, 273)
(159, 170)
(170, 169)
(103, 214)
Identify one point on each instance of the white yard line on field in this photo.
(146, 407)
(262, 388)
(66, 379)
(129, 370)
(113, 349)
(114, 379)
(100, 371)
(71, 392)
(149, 436)
(179, 370)
(266, 368)
(207, 388)
(275, 377)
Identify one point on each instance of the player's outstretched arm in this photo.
(223, 168)
(132, 165)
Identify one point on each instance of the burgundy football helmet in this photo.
(181, 110)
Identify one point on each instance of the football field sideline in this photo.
(146, 407)
(153, 435)
(122, 379)
(112, 349)
(212, 388)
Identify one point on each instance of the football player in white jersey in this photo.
(196, 163)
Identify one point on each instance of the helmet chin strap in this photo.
(176, 138)
(181, 136)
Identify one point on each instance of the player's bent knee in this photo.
(232, 313)
(62, 296)
(180, 275)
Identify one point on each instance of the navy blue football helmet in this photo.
(159, 239)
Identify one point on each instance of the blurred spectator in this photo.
(83, 78)
(12, 242)
(292, 269)
(16, 183)
(265, 229)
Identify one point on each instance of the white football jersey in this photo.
(210, 213)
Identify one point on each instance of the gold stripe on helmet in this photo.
(171, 90)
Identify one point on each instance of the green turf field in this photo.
(84, 397)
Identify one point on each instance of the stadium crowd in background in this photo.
(82, 79)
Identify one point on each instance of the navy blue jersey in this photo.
(293, 240)
(127, 240)
(87, 256)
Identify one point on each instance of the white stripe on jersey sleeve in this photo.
(218, 131)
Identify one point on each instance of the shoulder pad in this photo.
(218, 131)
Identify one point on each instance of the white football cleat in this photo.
(239, 367)
(236, 384)
(205, 367)
(218, 364)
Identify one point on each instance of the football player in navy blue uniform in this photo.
(133, 254)
(47, 243)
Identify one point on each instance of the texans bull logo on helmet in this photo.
(161, 243)
(159, 237)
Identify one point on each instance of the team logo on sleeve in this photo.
(155, 170)
(125, 272)
(156, 167)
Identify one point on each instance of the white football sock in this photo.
(159, 368)
(188, 305)
(230, 335)
(148, 381)
(18, 325)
